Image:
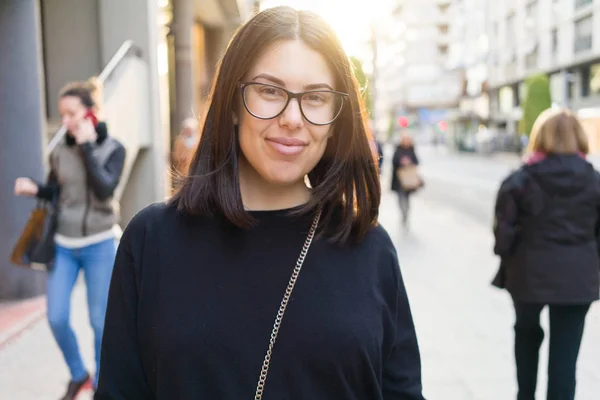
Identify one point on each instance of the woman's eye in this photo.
(270, 91)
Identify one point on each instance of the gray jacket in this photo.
(84, 178)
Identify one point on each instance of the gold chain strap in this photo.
(286, 297)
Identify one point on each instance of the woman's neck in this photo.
(260, 195)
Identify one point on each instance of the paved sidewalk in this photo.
(31, 365)
(16, 316)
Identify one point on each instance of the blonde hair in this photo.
(89, 92)
(557, 131)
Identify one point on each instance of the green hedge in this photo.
(538, 99)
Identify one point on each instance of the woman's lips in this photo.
(287, 146)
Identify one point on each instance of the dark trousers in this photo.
(566, 331)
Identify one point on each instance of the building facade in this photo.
(469, 52)
(560, 38)
(413, 77)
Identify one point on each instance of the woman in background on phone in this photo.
(85, 169)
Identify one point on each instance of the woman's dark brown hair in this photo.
(345, 182)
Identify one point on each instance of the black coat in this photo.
(547, 232)
(398, 155)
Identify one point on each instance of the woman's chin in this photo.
(283, 177)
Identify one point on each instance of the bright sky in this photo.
(351, 20)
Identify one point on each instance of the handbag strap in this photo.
(284, 302)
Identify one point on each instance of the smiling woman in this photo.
(193, 310)
(281, 69)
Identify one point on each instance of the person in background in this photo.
(185, 144)
(251, 281)
(376, 147)
(379, 150)
(404, 156)
(547, 226)
(85, 169)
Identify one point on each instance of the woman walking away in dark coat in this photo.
(546, 230)
(404, 156)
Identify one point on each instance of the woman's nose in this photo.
(292, 116)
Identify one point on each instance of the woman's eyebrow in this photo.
(315, 86)
(281, 83)
(271, 78)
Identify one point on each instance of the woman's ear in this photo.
(235, 118)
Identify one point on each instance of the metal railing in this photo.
(126, 48)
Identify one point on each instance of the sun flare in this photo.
(351, 20)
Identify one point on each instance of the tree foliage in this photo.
(363, 82)
(537, 99)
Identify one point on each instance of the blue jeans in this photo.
(97, 262)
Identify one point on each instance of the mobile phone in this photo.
(92, 117)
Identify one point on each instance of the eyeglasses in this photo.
(264, 101)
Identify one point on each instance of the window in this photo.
(531, 16)
(572, 87)
(554, 41)
(522, 89)
(510, 28)
(594, 80)
(585, 80)
(583, 34)
(582, 3)
(531, 59)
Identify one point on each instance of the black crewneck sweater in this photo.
(193, 300)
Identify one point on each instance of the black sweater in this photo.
(193, 300)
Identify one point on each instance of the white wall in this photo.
(70, 35)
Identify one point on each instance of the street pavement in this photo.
(463, 324)
(31, 366)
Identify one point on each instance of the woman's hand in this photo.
(86, 132)
(26, 187)
(405, 161)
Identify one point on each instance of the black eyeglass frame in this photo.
(290, 96)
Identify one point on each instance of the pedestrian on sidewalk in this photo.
(547, 235)
(404, 161)
(85, 169)
(279, 212)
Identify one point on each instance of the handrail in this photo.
(116, 59)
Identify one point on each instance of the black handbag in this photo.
(35, 246)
